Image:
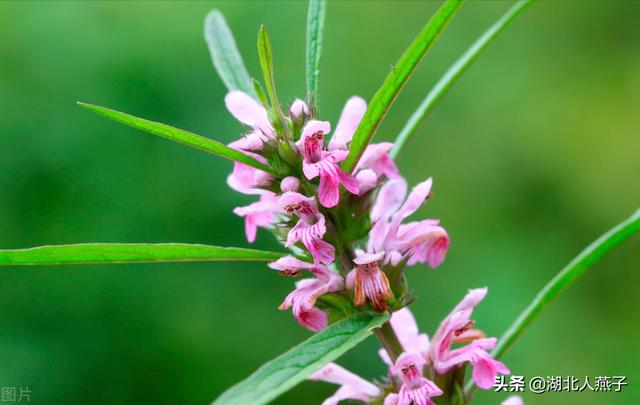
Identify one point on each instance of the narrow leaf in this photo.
(567, 276)
(177, 135)
(104, 253)
(289, 369)
(397, 78)
(266, 63)
(315, 24)
(454, 72)
(225, 55)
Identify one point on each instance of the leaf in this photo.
(454, 72)
(104, 253)
(289, 369)
(567, 276)
(315, 24)
(397, 78)
(177, 135)
(225, 55)
(266, 64)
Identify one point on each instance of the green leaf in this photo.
(178, 135)
(567, 276)
(454, 72)
(104, 253)
(289, 369)
(397, 78)
(225, 55)
(315, 24)
(266, 64)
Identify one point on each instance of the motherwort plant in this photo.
(340, 205)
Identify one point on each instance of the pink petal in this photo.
(485, 369)
(289, 183)
(367, 181)
(290, 263)
(248, 111)
(328, 190)
(406, 328)
(376, 157)
(366, 258)
(350, 118)
(391, 399)
(298, 107)
(313, 127)
(416, 198)
(390, 198)
(334, 374)
(472, 299)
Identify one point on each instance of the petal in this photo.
(290, 263)
(335, 374)
(485, 369)
(348, 181)
(472, 299)
(389, 199)
(391, 399)
(350, 118)
(314, 126)
(289, 183)
(328, 190)
(248, 111)
(406, 328)
(367, 181)
(298, 107)
(416, 198)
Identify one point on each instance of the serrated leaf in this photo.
(289, 369)
(567, 276)
(225, 55)
(397, 78)
(454, 72)
(105, 253)
(177, 135)
(315, 24)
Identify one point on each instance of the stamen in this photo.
(464, 328)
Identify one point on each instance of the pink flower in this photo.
(298, 108)
(352, 386)
(367, 181)
(376, 157)
(318, 162)
(350, 118)
(258, 214)
(289, 183)
(417, 242)
(415, 389)
(248, 111)
(303, 298)
(409, 336)
(370, 283)
(247, 179)
(310, 228)
(456, 328)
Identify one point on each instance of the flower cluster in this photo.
(349, 231)
(420, 357)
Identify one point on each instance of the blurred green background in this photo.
(534, 153)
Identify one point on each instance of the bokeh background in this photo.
(535, 152)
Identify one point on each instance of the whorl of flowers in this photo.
(349, 231)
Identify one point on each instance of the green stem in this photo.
(389, 341)
(587, 258)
